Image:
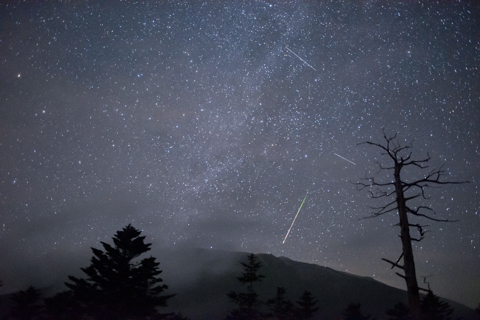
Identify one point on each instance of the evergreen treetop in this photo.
(117, 286)
(248, 303)
(307, 306)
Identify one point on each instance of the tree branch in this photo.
(394, 264)
(433, 177)
(416, 212)
(392, 148)
(403, 193)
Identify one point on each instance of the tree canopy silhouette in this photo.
(435, 309)
(280, 307)
(118, 286)
(62, 306)
(307, 306)
(399, 312)
(354, 312)
(248, 302)
(399, 193)
(26, 304)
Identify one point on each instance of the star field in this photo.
(195, 123)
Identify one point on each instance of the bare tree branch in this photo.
(428, 283)
(401, 193)
(400, 275)
(398, 260)
(394, 264)
(416, 212)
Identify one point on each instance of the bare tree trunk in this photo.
(408, 261)
(415, 189)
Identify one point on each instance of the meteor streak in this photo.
(344, 158)
(295, 217)
(300, 58)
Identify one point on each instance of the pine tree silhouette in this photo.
(435, 309)
(306, 308)
(62, 306)
(353, 312)
(399, 312)
(117, 286)
(248, 302)
(26, 304)
(280, 307)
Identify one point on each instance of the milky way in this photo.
(205, 124)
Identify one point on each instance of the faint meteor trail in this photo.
(300, 58)
(344, 158)
(295, 218)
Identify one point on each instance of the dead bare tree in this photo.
(399, 194)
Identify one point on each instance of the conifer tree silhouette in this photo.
(399, 312)
(353, 312)
(118, 286)
(248, 302)
(307, 307)
(280, 307)
(435, 309)
(26, 304)
(62, 306)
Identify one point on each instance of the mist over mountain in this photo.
(205, 123)
(200, 278)
(202, 295)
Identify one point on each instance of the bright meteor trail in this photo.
(295, 217)
(344, 158)
(300, 58)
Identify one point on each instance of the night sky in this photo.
(205, 124)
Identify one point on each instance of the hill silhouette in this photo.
(204, 296)
(201, 279)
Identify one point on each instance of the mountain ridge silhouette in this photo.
(201, 279)
(205, 298)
